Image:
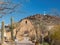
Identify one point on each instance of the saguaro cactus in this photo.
(2, 33)
(12, 37)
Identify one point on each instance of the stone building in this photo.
(35, 26)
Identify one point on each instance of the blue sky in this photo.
(31, 7)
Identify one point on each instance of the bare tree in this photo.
(8, 7)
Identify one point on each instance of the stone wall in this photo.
(25, 29)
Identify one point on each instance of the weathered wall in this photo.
(25, 29)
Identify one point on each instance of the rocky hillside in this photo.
(43, 22)
(47, 19)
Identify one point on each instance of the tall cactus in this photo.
(12, 37)
(2, 33)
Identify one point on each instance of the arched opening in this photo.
(26, 22)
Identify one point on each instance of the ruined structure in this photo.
(35, 26)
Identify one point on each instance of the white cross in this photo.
(44, 12)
